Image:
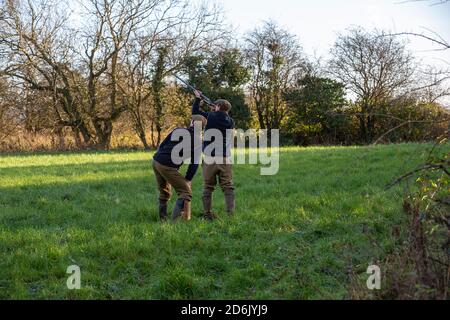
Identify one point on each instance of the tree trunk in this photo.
(142, 137)
(154, 145)
(259, 112)
(362, 127)
(81, 127)
(61, 139)
(157, 87)
(103, 128)
(370, 128)
(76, 135)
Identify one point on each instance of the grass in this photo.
(295, 235)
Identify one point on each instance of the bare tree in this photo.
(275, 59)
(8, 112)
(42, 54)
(37, 54)
(112, 23)
(431, 84)
(135, 88)
(374, 68)
(176, 30)
(117, 66)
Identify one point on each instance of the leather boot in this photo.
(178, 209)
(163, 210)
(207, 206)
(187, 211)
(230, 203)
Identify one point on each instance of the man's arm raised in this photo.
(196, 106)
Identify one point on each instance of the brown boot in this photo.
(182, 209)
(230, 202)
(207, 205)
(187, 211)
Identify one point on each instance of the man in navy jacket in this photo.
(167, 172)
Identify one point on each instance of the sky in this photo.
(317, 22)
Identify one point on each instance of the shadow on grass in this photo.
(17, 172)
(49, 203)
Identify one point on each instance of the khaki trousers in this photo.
(213, 173)
(166, 178)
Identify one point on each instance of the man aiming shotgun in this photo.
(217, 166)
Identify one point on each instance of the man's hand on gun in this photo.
(197, 94)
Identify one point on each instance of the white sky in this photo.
(316, 22)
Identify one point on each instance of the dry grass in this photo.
(35, 142)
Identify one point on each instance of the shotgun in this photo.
(190, 87)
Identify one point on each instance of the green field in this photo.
(295, 235)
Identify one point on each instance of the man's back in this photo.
(214, 172)
(164, 153)
(219, 120)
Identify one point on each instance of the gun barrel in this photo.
(204, 98)
(184, 82)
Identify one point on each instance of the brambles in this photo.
(420, 264)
